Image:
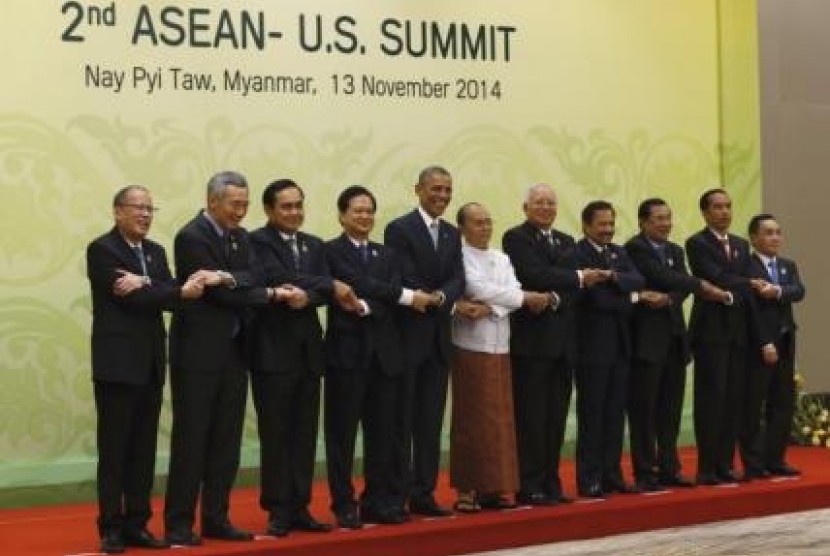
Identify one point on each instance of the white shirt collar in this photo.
(356, 242)
(599, 248)
(428, 220)
(722, 237)
(765, 259)
(217, 228)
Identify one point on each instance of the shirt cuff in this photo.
(406, 297)
(365, 310)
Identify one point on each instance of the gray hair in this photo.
(538, 187)
(431, 170)
(121, 195)
(219, 182)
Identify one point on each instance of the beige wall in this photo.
(795, 131)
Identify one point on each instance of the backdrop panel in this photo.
(602, 98)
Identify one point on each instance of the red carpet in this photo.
(70, 530)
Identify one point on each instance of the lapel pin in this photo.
(670, 261)
(303, 248)
(374, 253)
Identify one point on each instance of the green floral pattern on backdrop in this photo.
(58, 183)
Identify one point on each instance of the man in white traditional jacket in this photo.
(483, 459)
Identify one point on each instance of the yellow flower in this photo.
(806, 429)
(816, 440)
(827, 442)
(825, 415)
(799, 380)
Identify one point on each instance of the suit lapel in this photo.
(214, 240)
(128, 256)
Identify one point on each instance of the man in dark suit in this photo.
(429, 252)
(543, 344)
(770, 387)
(363, 347)
(131, 285)
(289, 358)
(208, 375)
(719, 340)
(661, 350)
(604, 340)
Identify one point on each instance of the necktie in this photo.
(139, 252)
(295, 251)
(773, 271)
(227, 240)
(433, 231)
(726, 250)
(548, 237)
(661, 252)
(605, 253)
(363, 249)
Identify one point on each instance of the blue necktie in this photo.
(139, 252)
(773, 271)
(364, 252)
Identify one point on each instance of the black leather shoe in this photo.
(427, 507)
(708, 479)
(347, 518)
(383, 516)
(182, 538)
(649, 484)
(303, 521)
(675, 481)
(728, 477)
(593, 490)
(226, 532)
(112, 543)
(784, 471)
(278, 525)
(536, 499)
(618, 485)
(756, 473)
(143, 539)
(495, 502)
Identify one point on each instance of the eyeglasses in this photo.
(141, 208)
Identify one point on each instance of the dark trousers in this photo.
(208, 415)
(422, 395)
(288, 411)
(128, 418)
(365, 397)
(655, 408)
(600, 407)
(768, 415)
(718, 388)
(541, 397)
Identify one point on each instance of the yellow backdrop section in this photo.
(602, 98)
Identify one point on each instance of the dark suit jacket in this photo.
(541, 267)
(202, 331)
(424, 267)
(775, 316)
(654, 328)
(351, 340)
(713, 322)
(128, 337)
(287, 340)
(604, 309)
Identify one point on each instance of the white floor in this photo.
(795, 534)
